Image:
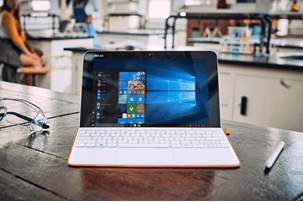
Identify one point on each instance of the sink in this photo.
(293, 57)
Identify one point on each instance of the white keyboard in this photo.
(151, 138)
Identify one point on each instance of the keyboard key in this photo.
(225, 145)
(209, 145)
(143, 142)
(133, 141)
(175, 145)
(218, 135)
(111, 145)
(83, 138)
(212, 138)
(101, 145)
(111, 142)
(199, 145)
(79, 145)
(164, 142)
(153, 142)
(90, 145)
(186, 145)
(205, 142)
(90, 141)
(143, 145)
(145, 135)
(83, 134)
(217, 145)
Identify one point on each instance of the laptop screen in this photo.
(144, 89)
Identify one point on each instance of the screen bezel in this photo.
(212, 69)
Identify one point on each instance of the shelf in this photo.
(120, 1)
(234, 9)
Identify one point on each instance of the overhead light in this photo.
(192, 2)
(183, 14)
(41, 5)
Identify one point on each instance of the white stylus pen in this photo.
(274, 155)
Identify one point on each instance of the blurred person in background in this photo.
(85, 11)
(14, 49)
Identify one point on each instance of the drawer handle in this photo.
(243, 105)
(282, 82)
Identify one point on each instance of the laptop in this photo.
(151, 109)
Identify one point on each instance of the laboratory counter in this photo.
(286, 61)
(138, 37)
(134, 32)
(277, 43)
(56, 37)
(284, 54)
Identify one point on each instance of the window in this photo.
(41, 5)
(181, 91)
(192, 2)
(159, 8)
(173, 90)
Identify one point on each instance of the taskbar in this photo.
(150, 125)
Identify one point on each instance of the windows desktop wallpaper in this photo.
(176, 89)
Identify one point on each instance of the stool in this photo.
(32, 72)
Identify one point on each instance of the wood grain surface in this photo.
(34, 167)
(53, 104)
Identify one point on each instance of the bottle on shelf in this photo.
(222, 4)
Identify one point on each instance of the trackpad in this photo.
(144, 157)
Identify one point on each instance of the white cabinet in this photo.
(254, 90)
(226, 90)
(284, 105)
(274, 97)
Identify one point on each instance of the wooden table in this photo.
(35, 167)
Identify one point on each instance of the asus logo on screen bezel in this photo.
(98, 55)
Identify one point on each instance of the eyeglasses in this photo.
(23, 110)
